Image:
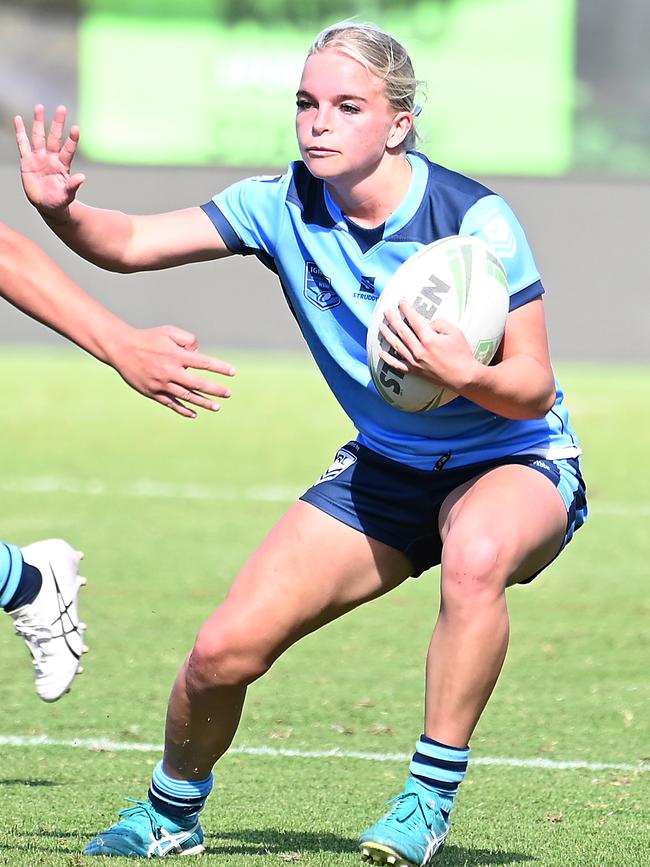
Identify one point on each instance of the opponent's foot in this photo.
(142, 832)
(411, 833)
(50, 624)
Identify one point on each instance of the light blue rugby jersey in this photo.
(332, 274)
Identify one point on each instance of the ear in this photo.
(401, 127)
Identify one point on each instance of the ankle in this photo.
(179, 800)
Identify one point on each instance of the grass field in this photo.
(167, 510)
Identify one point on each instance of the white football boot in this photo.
(50, 624)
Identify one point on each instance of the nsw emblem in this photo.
(318, 288)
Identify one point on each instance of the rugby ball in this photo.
(459, 279)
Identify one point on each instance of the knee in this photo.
(223, 656)
(472, 572)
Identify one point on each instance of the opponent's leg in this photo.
(497, 530)
(309, 570)
(38, 588)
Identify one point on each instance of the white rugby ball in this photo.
(459, 279)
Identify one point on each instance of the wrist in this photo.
(109, 341)
(476, 377)
(116, 342)
(55, 217)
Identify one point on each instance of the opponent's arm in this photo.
(157, 362)
(520, 385)
(111, 239)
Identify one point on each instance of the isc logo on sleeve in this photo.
(500, 237)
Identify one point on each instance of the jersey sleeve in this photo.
(493, 220)
(247, 214)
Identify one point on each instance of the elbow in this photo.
(12, 245)
(546, 402)
(119, 267)
(116, 264)
(535, 407)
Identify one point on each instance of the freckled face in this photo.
(343, 119)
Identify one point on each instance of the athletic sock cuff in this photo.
(180, 793)
(435, 749)
(11, 570)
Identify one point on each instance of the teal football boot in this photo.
(144, 833)
(411, 833)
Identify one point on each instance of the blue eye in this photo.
(348, 108)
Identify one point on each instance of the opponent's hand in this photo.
(435, 350)
(159, 363)
(45, 163)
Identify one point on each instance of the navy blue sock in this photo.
(439, 768)
(20, 583)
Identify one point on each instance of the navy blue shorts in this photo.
(400, 505)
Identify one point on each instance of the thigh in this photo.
(309, 570)
(518, 509)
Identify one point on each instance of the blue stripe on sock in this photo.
(11, 570)
(439, 768)
(434, 773)
(181, 800)
(441, 763)
(428, 747)
(180, 790)
(182, 806)
(438, 786)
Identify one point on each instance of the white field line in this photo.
(148, 489)
(144, 488)
(106, 745)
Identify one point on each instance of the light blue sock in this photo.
(181, 800)
(11, 570)
(439, 768)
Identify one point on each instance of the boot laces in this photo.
(411, 809)
(144, 809)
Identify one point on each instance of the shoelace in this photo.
(410, 808)
(146, 808)
(34, 633)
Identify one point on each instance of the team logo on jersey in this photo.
(342, 461)
(500, 236)
(318, 288)
(366, 289)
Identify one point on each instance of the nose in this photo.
(322, 121)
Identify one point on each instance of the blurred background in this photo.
(548, 103)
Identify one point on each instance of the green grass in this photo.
(575, 686)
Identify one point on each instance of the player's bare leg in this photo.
(497, 531)
(309, 570)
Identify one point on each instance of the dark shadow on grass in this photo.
(27, 841)
(459, 856)
(29, 783)
(266, 841)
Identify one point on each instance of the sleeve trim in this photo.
(230, 238)
(523, 296)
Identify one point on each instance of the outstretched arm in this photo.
(111, 239)
(157, 362)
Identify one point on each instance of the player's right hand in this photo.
(159, 363)
(45, 162)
